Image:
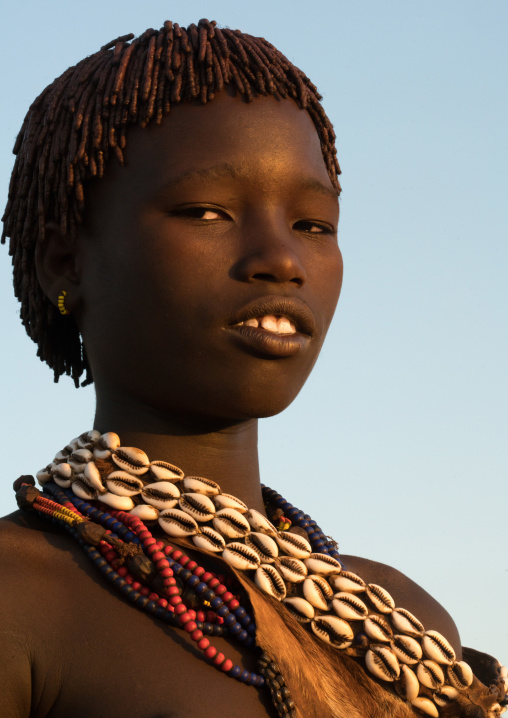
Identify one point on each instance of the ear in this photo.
(57, 266)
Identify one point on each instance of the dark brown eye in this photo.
(208, 214)
(307, 225)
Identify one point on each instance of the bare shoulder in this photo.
(407, 594)
(28, 546)
(29, 554)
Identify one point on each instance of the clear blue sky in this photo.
(398, 444)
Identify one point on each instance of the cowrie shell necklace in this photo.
(300, 567)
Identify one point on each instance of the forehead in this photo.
(265, 142)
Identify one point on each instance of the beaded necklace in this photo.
(294, 563)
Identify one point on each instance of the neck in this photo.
(223, 451)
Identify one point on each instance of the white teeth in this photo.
(284, 326)
(271, 323)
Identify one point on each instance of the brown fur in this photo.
(326, 683)
(322, 681)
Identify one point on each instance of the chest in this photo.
(117, 661)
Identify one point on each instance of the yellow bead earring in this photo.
(61, 302)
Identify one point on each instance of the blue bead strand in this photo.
(143, 602)
(112, 524)
(318, 540)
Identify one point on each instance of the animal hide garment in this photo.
(326, 683)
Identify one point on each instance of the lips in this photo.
(273, 327)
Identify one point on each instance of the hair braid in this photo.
(81, 119)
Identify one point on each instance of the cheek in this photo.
(328, 280)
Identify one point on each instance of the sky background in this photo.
(397, 445)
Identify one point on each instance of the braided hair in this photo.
(80, 121)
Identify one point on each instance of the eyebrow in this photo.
(317, 186)
(227, 170)
(220, 171)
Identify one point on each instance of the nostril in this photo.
(262, 277)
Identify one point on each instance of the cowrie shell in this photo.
(209, 540)
(90, 437)
(426, 706)
(349, 607)
(62, 455)
(407, 685)
(231, 524)
(445, 695)
(122, 484)
(437, 648)
(145, 512)
(406, 649)
(430, 674)
(44, 475)
(228, 501)
(292, 569)
(300, 609)
(164, 471)
(460, 675)
(317, 592)
(83, 491)
(293, 545)
(62, 475)
(198, 506)
(101, 454)
(198, 485)
(120, 503)
(132, 460)
(263, 545)
(79, 458)
(382, 663)
(240, 556)
(333, 630)
(84, 442)
(260, 523)
(405, 622)
(270, 581)
(380, 598)
(347, 581)
(177, 523)
(161, 494)
(377, 628)
(93, 477)
(63, 483)
(322, 564)
(109, 440)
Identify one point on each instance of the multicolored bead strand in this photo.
(173, 609)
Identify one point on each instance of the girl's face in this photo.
(210, 269)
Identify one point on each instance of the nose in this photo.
(271, 255)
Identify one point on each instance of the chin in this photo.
(262, 407)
